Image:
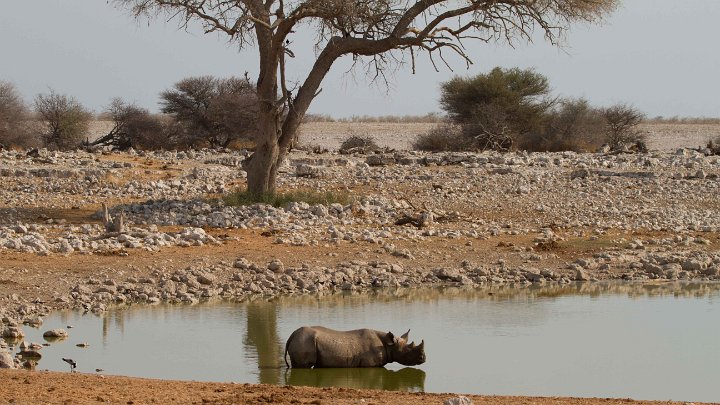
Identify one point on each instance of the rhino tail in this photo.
(286, 352)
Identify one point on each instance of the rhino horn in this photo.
(405, 336)
(412, 345)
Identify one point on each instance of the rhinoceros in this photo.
(316, 346)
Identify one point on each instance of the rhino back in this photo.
(354, 348)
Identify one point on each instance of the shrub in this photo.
(714, 146)
(444, 137)
(134, 127)
(493, 110)
(358, 143)
(65, 120)
(244, 197)
(622, 126)
(15, 124)
(511, 108)
(572, 125)
(211, 111)
(520, 95)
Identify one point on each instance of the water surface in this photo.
(591, 340)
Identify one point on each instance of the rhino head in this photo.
(400, 351)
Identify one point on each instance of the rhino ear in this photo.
(390, 339)
(405, 336)
(421, 346)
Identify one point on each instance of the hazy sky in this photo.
(663, 56)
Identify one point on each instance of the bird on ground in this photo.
(71, 362)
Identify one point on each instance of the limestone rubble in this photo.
(649, 216)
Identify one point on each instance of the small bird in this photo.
(99, 370)
(72, 364)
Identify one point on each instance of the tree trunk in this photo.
(273, 138)
(262, 170)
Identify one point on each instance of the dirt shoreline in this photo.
(25, 387)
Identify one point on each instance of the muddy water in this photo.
(592, 340)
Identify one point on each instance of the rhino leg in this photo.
(302, 348)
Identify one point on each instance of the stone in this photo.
(580, 174)
(242, 263)
(206, 279)
(461, 400)
(448, 274)
(6, 360)
(580, 275)
(533, 275)
(396, 268)
(692, 265)
(711, 271)
(380, 160)
(305, 170)
(56, 333)
(276, 266)
(13, 332)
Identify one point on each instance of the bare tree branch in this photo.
(381, 31)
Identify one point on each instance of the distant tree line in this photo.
(197, 112)
(504, 109)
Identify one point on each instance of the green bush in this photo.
(496, 108)
(511, 109)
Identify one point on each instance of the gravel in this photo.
(547, 197)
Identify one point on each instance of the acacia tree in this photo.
(361, 28)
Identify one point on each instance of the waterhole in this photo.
(618, 340)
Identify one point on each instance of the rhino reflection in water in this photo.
(319, 347)
(377, 378)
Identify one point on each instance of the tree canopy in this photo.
(374, 31)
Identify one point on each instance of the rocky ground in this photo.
(406, 219)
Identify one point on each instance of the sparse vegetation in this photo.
(512, 109)
(281, 199)
(65, 121)
(622, 122)
(571, 125)
(444, 137)
(495, 109)
(210, 111)
(15, 125)
(429, 118)
(714, 145)
(372, 32)
(684, 120)
(358, 143)
(133, 127)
